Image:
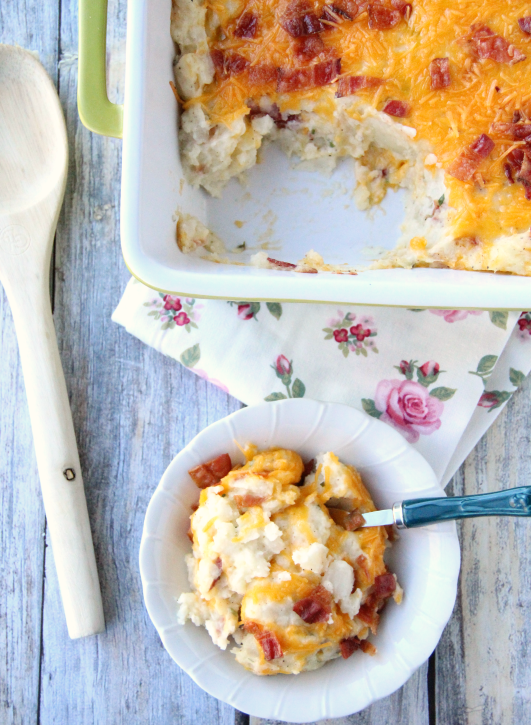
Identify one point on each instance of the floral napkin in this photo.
(440, 377)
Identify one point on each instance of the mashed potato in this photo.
(279, 566)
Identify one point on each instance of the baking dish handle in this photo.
(97, 113)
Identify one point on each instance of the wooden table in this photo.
(134, 410)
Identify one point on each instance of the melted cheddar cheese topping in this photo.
(481, 92)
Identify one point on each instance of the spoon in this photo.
(423, 511)
(33, 167)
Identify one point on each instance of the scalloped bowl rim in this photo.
(426, 560)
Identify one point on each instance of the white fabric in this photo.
(440, 377)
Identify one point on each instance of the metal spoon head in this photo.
(33, 142)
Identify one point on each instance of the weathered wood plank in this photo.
(484, 659)
(35, 26)
(133, 410)
(408, 706)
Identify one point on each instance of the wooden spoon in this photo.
(33, 167)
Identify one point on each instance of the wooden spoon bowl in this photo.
(33, 168)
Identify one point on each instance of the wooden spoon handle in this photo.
(57, 458)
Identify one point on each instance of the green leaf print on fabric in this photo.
(275, 396)
(191, 356)
(275, 308)
(516, 377)
(485, 367)
(370, 408)
(443, 393)
(499, 318)
(284, 371)
(298, 388)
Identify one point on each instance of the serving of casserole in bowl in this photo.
(279, 580)
(383, 145)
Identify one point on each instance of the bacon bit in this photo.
(247, 26)
(267, 640)
(524, 175)
(384, 585)
(316, 607)
(299, 20)
(508, 172)
(270, 646)
(382, 18)
(404, 8)
(368, 648)
(262, 74)
(309, 467)
(400, 109)
(248, 500)
(468, 161)
(228, 64)
(440, 73)
(309, 47)
(349, 646)
(282, 265)
(369, 616)
(350, 521)
(352, 84)
(525, 24)
(515, 129)
(334, 15)
(211, 473)
(392, 533)
(219, 565)
(486, 44)
(297, 79)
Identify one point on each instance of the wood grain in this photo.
(483, 660)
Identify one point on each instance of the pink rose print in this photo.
(181, 319)
(352, 337)
(172, 303)
(524, 327)
(429, 368)
(407, 404)
(245, 312)
(284, 371)
(283, 365)
(174, 312)
(406, 369)
(455, 315)
(341, 335)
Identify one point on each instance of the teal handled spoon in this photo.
(423, 511)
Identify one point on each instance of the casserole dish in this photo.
(288, 210)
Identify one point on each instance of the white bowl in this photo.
(426, 561)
